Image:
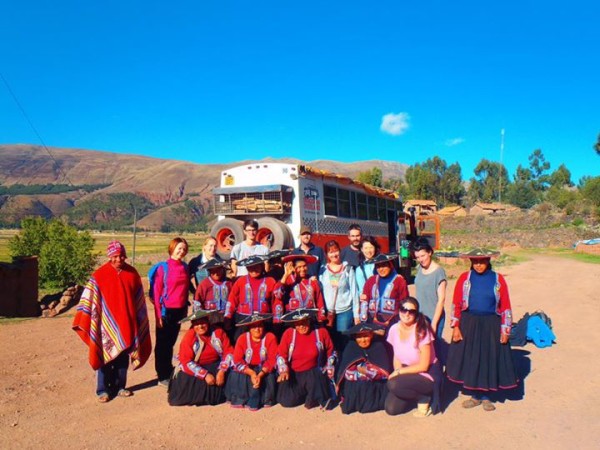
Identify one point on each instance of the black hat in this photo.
(197, 315)
(298, 315)
(382, 258)
(364, 327)
(256, 317)
(214, 263)
(480, 253)
(278, 254)
(252, 260)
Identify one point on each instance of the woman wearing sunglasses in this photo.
(417, 374)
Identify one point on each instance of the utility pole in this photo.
(134, 233)
(500, 168)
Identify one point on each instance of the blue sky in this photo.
(221, 81)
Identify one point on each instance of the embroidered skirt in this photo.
(239, 390)
(363, 396)
(309, 387)
(186, 389)
(480, 361)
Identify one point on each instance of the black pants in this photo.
(404, 390)
(165, 340)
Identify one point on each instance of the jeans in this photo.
(112, 377)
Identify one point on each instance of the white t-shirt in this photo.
(242, 251)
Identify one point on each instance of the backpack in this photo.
(152, 281)
(539, 329)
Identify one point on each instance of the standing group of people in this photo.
(313, 326)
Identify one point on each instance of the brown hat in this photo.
(304, 229)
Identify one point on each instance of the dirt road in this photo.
(47, 391)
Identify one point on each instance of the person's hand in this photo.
(394, 374)
(288, 269)
(456, 334)
(283, 377)
(210, 379)
(257, 379)
(356, 321)
(363, 297)
(159, 322)
(362, 370)
(504, 338)
(220, 378)
(314, 278)
(434, 326)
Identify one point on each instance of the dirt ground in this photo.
(47, 391)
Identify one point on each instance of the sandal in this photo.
(488, 406)
(103, 398)
(125, 393)
(471, 403)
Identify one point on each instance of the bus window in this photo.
(372, 208)
(361, 206)
(381, 210)
(330, 195)
(344, 203)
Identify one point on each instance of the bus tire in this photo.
(227, 232)
(273, 233)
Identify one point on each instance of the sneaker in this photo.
(163, 383)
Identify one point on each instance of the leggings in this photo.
(404, 390)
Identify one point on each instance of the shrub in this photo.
(65, 255)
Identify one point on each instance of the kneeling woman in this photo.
(305, 362)
(252, 382)
(205, 355)
(363, 372)
(417, 374)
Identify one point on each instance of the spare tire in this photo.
(273, 233)
(227, 232)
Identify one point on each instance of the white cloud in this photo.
(395, 124)
(454, 141)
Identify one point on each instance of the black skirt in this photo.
(363, 396)
(240, 393)
(310, 387)
(480, 361)
(186, 389)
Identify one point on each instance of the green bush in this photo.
(65, 255)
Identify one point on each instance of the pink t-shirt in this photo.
(406, 352)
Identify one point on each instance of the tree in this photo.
(435, 180)
(538, 167)
(65, 255)
(420, 182)
(590, 189)
(491, 178)
(597, 145)
(451, 185)
(560, 177)
(374, 177)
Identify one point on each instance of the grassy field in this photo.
(150, 248)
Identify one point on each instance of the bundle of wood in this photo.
(256, 204)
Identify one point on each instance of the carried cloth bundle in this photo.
(536, 327)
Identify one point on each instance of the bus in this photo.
(284, 197)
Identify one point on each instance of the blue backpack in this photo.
(152, 281)
(539, 329)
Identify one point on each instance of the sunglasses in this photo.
(404, 310)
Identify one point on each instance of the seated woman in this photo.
(383, 292)
(205, 355)
(305, 362)
(252, 382)
(417, 374)
(363, 372)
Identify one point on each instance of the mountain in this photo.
(108, 184)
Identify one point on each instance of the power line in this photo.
(34, 129)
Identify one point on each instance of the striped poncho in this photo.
(112, 317)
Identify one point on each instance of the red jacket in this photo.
(263, 353)
(195, 352)
(305, 294)
(249, 295)
(305, 351)
(213, 295)
(372, 307)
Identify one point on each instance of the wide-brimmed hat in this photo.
(364, 327)
(214, 263)
(480, 253)
(278, 254)
(254, 318)
(252, 260)
(197, 315)
(298, 315)
(383, 258)
(310, 259)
